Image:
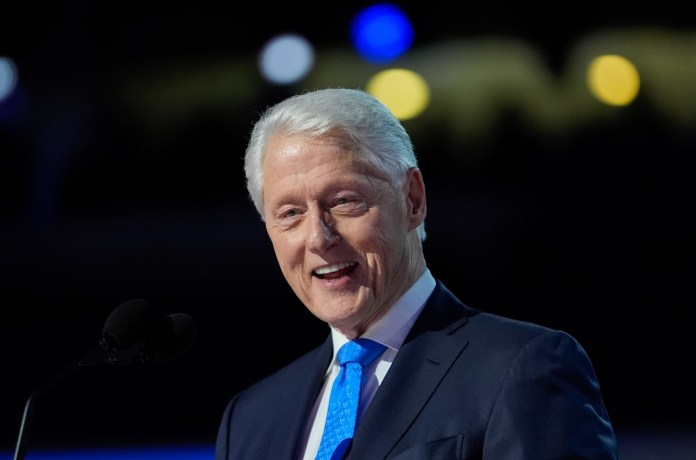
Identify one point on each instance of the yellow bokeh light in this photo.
(613, 79)
(405, 92)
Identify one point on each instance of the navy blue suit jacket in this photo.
(464, 385)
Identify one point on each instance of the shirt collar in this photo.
(391, 329)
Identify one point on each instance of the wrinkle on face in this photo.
(325, 206)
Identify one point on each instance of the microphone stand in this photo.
(20, 449)
(99, 355)
(133, 333)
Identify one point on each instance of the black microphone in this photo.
(129, 324)
(134, 332)
(172, 337)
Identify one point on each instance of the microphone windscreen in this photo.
(173, 338)
(129, 324)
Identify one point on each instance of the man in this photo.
(334, 177)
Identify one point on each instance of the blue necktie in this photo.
(345, 397)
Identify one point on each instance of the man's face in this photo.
(339, 230)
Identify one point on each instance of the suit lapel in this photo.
(297, 402)
(422, 362)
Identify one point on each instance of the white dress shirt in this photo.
(391, 331)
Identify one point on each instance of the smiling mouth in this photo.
(334, 271)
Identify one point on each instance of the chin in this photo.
(337, 314)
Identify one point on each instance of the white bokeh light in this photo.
(8, 77)
(286, 59)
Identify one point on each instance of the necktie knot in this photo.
(362, 351)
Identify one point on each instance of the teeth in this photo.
(332, 268)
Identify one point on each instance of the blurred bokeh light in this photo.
(381, 33)
(286, 59)
(8, 77)
(613, 79)
(405, 92)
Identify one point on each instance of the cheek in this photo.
(386, 239)
(372, 239)
(375, 229)
(289, 248)
(282, 246)
(384, 229)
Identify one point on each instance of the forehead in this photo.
(296, 154)
(300, 165)
(289, 145)
(299, 159)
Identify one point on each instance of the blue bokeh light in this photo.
(381, 33)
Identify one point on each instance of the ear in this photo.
(415, 200)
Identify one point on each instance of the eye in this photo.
(345, 200)
(348, 205)
(289, 213)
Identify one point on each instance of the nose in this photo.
(322, 233)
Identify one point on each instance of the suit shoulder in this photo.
(488, 323)
(501, 331)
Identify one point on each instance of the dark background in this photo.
(591, 232)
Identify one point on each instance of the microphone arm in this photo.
(27, 416)
(132, 333)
